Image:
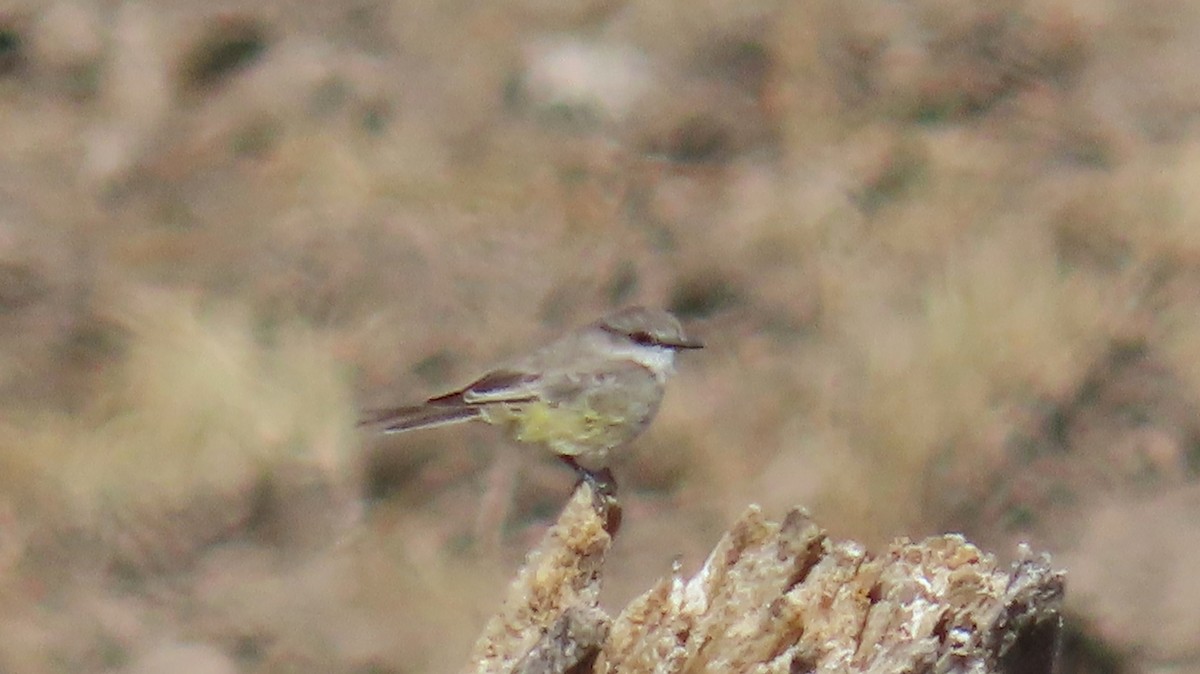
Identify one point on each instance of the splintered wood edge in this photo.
(550, 619)
(778, 597)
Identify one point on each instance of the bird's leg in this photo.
(604, 491)
(601, 481)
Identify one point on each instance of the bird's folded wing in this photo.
(461, 405)
(501, 386)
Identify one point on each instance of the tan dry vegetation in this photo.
(944, 257)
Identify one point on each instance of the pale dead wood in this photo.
(777, 597)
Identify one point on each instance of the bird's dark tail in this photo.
(400, 419)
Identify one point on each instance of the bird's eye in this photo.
(644, 338)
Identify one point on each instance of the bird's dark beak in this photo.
(685, 344)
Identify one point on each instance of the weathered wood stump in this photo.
(776, 597)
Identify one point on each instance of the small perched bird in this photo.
(581, 396)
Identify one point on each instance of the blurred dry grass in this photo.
(944, 256)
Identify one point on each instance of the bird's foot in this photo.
(604, 490)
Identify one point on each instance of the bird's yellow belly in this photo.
(567, 429)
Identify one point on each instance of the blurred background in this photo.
(945, 255)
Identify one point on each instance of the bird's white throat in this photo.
(658, 359)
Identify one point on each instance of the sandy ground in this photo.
(946, 259)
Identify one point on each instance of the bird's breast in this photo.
(586, 426)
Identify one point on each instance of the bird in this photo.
(582, 396)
